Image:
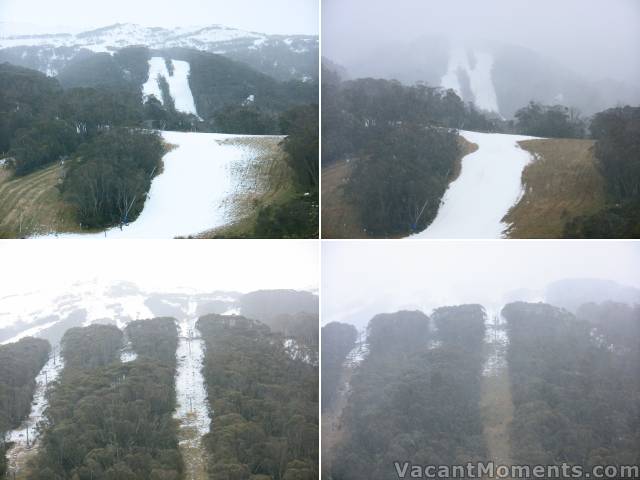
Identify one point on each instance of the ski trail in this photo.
(191, 194)
(496, 403)
(178, 82)
(489, 184)
(192, 410)
(25, 437)
(127, 353)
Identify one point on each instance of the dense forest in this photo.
(20, 363)
(402, 145)
(416, 395)
(111, 420)
(575, 384)
(266, 404)
(338, 339)
(617, 151)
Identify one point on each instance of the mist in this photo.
(362, 279)
(161, 266)
(595, 39)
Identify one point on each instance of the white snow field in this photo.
(480, 80)
(26, 435)
(189, 196)
(193, 406)
(489, 184)
(178, 83)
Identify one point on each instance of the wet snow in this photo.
(192, 404)
(489, 184)
(190, 195)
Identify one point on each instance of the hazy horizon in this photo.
(361, 279)
(596, 40)
(286, 17)
(159, 266)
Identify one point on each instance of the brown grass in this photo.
(32, 204)
(340, 219)
(263, 179)
(561, 183)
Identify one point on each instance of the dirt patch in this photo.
(561, 183)
(32, 204)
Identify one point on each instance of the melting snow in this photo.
(189, 196)
(26, 435)
(193, 406)
(489, 184)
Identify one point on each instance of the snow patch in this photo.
(192, 403)
(481, 82)
(178, 82)
(489, 184)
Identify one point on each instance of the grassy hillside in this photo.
(33, 204)
(562, 182)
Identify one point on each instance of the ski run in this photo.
(488, 186)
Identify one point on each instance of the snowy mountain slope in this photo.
(489, 184)
(281, 56)
(48, 314)
(475, 68)
(177, 79)
(190, 195)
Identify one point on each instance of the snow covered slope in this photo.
(489, 184)
(477, 67)
(178, 81)
(189, 196)
(282, 56)
(25, 437)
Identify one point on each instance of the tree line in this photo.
(265, 423)
(574, 383)
(338, 339)
(109, 420)
(415, 396)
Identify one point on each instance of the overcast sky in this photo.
(596, 37)
(159, 265)
(361, 279)
(272, 16)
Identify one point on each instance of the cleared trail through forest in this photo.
(496, 404)
(488, 186)
(192, 411)
(192, 192)
(25, 437)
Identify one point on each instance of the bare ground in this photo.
(561, 183)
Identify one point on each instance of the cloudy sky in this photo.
(598, 38)
(272, 16)
(361, 279)
(159, 265)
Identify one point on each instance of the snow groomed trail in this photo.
(189, 196)
(178, 81)
(192, 409)
(25, 437)
(488, 186)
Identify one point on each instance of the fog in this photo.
(161, 266)
(596, 39)
(273, 17)
(363, 278)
